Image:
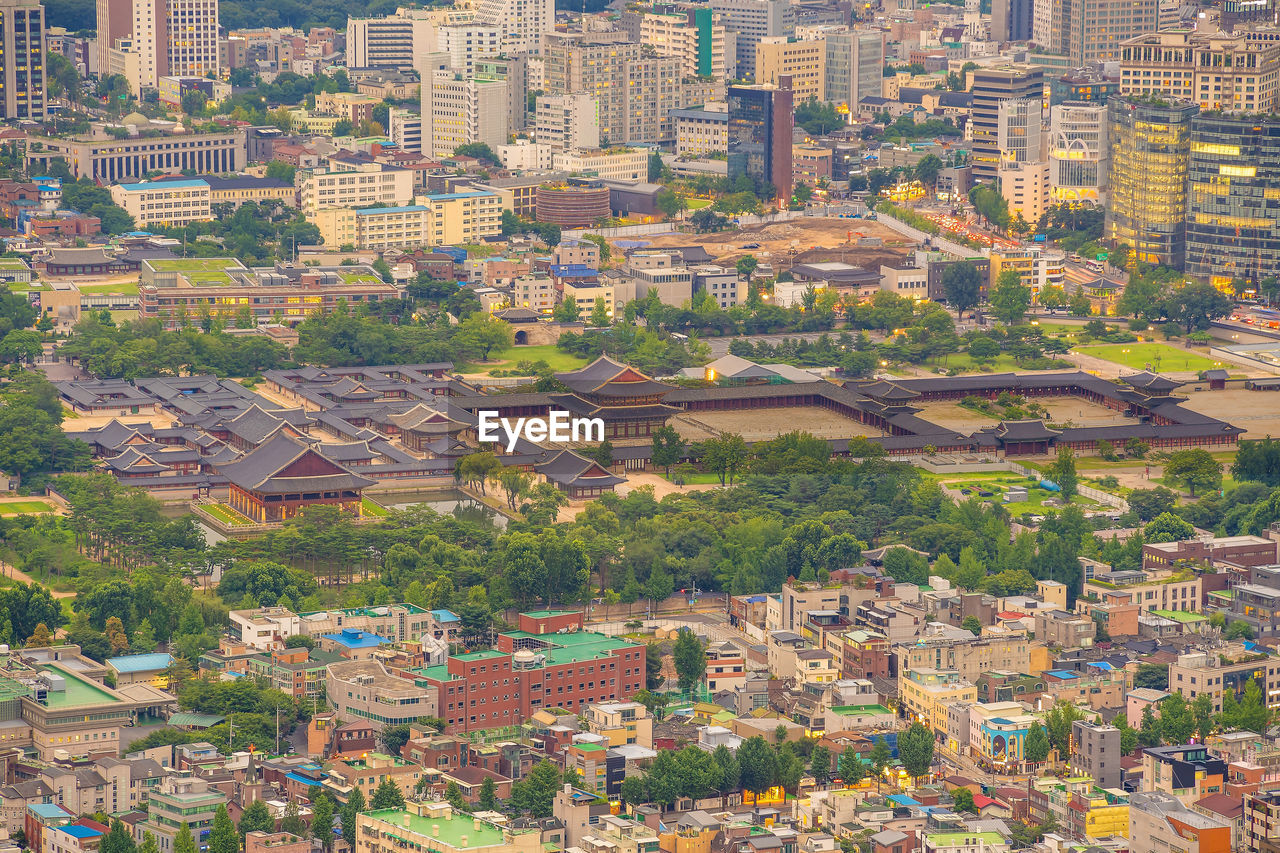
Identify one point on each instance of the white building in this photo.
(460, 111)
(168, 203)
(625, 164)
(854, 66)
(265, 628)
(522, 23)
(525, 156)
(566, 122)
(1078, 152)
(158, 38)
(905, 282)
(467, 42)
(356, 182)
(393, 41)
(406, 129)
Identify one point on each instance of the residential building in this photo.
(264, 628)
(364, 689)
(752, 20)
(1216, 71)
(621, 723)
(459, 110)
(393, 41)
(697, 36)
(22, 59)
(701, 131)
(926, 693)
(584, 294)
(760, 121)
(567, 122)
(1187, 772)
(180, 802)
(1065, 630)
(535, 292)
(1095, 752)
(1098, 29)
(299, 672)
(803, 62)
(522, 23)
(434, 826)
(110, 161)
(1218, 673)
(1233, 224)
(726, 667)
(166, 203)
(399, 623)
(356, 181)
(1026, 189)
(964, 842)
(468, 42)
(1159, 589)
(723, 283)
(1160, 822)
(615, 834)
(436, 220)
(1011, 652)
(164, 37)
(1239, 550)
(83, 836)
(853, 68)
(1260, 821)
(366, 772)
(1079, 152)
(991, 86)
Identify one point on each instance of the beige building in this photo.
(1065, 630)
(1026, 188)
(614, 164)
(351, 181)
(804, 61)
(457, 110)
(621, 723)
(176, 803)
(167, 203)
(926, 693)
(567, 122)
(167, 37)
(438, 220)
(351, 106)
(535, 292)
(679, 35)
(584, 295)
(1150, 590)
(702, 130)
(435, 827)
(364, 689)
(1197, 673)
(113, 160)
(1011, 652)
(1232, 73)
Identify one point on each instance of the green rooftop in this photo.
(80, 692)
(590, 747)
(11, 688)
(543, 614)
(1180, 615)
(482, 655)
(574, 647)
(13, 264)
(412, 829)
(846, 710)
(965, 839)
(440, 672)
(190, 265)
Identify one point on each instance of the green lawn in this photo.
(698, 203)
(194, 264)
(962, 362)
(1159, 356)
(368, 507)
(126, 287)
(998, 484)
(28, 286)
(698, 478)
(25, 507)
(555, 358)
(210, 279)
(227, 515)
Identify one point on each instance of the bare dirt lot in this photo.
(777, 241)
(1258, 412)
(1061, 410)
(764, 424)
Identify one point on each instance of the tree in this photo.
(478, 150)
(659, 586)
(915, 750)
(972, 625)
(671, 204)
(1202, 713)
(1063, 472)
(223, 837)
(536, 793)
(758, 765)
(453, 796)
(1053, 297)
(690, 659)
(926, 171)
(1248, 713)
(668, 447)
(1010, 298)
(746, 265)
(1239, 630)
(117, 840)
(1195, 305)
(488, 799)
(983, 348)
(1149, 503)
(634, 790)
(322, 821)
(1128, 735)
(1149, 731)
(820, 764)
(964, 803)
(1152, 675)
(1035, 748)
(1058, 725)
(655, 166)
(149, 845)
(1167, 527)
(724, 456)
(292, 821)
(355, 805)
(387, 795)
(600, 313)
(1176, 721)
(1079, 304)
(652, 667)
(880, 758)
(1195, 468)
(256, 818)
(184, 842)
(567, 312)
(850, 767)
(40, 638)
(961, 284)
(114, 629)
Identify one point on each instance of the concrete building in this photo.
(353, 181)
(522, 23)
(1158, 822)
(621, 723)
(466, 43)
(1197, 673)
(392, 41)
(1079, 153)
(1011, 20)
(264, 628)
(991, 86)
(804, 62)
(853, 67)
(22, 59)
(1065, 630)
(971, 657)
(753, 20)
(1095, 752)
(625, 164)
(1216, 71)
(406, 129)
(1026, 188)
(926, 693)
(760, 125)
(698, 36)
(434, 826)
(436, 220)
(1158, 589)
(179, 802)
(457, 111)
(167, 203)
(113, 160)
(702, 130)
(165, 37)
(567, 122)
(1187, 772)
(364, 689)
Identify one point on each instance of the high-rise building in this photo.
(1018, 122)
(465, 43)
(514, 68)
(458, 110)
(636, 92)
(1233, 209)
(698, 36)
(1233, 73)
(392, 41)
(990, 87)
(1092, 31)
(855, 60)
(566, 122)
(406, 129)
(760, 120)
(522, 23)
(802, 60)
(1078, 152)
(1011, 20)
(753, 20)
(161, 37)
(1147, 205)
(22, 60)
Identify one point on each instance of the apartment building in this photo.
(264, 628)
(435, 826)
(22, 58)
(399, 623)
(366, 772)
(163, 38)
(803, 61)
(1240, 550)
(621, 723)
(567, 122)
(1159, 822)
(459, 110)
(1150, 590)
(179, 802)
(299, 672)
(1095, 752)
(584, 294)
(392, 41)
(113, 160)
(166, 203)
(926, 693)
(436, 220)
(351, 106)
(523, 23)
(1232, 73)
(356, 181)
(970, 658)
(1064, 630)
(697, 36)
(1197, 673)
(1260, 820)
(535, 291)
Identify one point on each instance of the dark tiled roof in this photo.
(259, 470)
(570, 469)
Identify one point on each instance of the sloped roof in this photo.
(570, 469)
(259, 470)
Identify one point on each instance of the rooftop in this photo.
(402, 824)
(80, 691)
(140, 663)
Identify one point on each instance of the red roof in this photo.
(982, 802)
(1012, 614)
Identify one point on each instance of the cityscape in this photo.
(639, 426)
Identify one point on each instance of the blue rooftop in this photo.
(1101, 665)
(903, 800)
(572, 269)
(444, 616)
(49, 810)
(1062, 673)
(162, 185)
(369, 211)
(300, 779)
(77, 831)
(141, 663)
(353, 639)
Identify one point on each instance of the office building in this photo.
(393, 41)
(1158, 823)
(1197, 673)
(1018, 123)
(753, 20)
(167, 203)
(1079, 152)
(514, 69)
(1233, 232)
(356, 181)
(406, 129)
(803, 62)
(178, 803)
(760, 121)
(854, 64)
(436, 220)
(697, 36)
(457, 110)
(1011, 20)
(160, 38)
(22, 58)
(566, 122)
(465, 43)
(1150, 145)
(702, 130)
(626, 164)
(1095, 752)
(990, 87)
(1232, 73)
(522, 23)
(1093, 31)
(114, 160)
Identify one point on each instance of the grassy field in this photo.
(1159, 356)
(698, 203)
(698, 478)
(554, 358)
(125, 287)
(998, 484)
(962, 362)
(25, 507)
(186, 265)
(368, 507)
(226, 515)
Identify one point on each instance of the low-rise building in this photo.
(926, 693)
(621, 723)
(1187, 772)
(180, 802)
(364, 689)
(168, 203)
(1159, 822)
(1065, 630)
(435, 220)
(436, 827)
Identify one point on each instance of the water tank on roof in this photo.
(523, 659)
